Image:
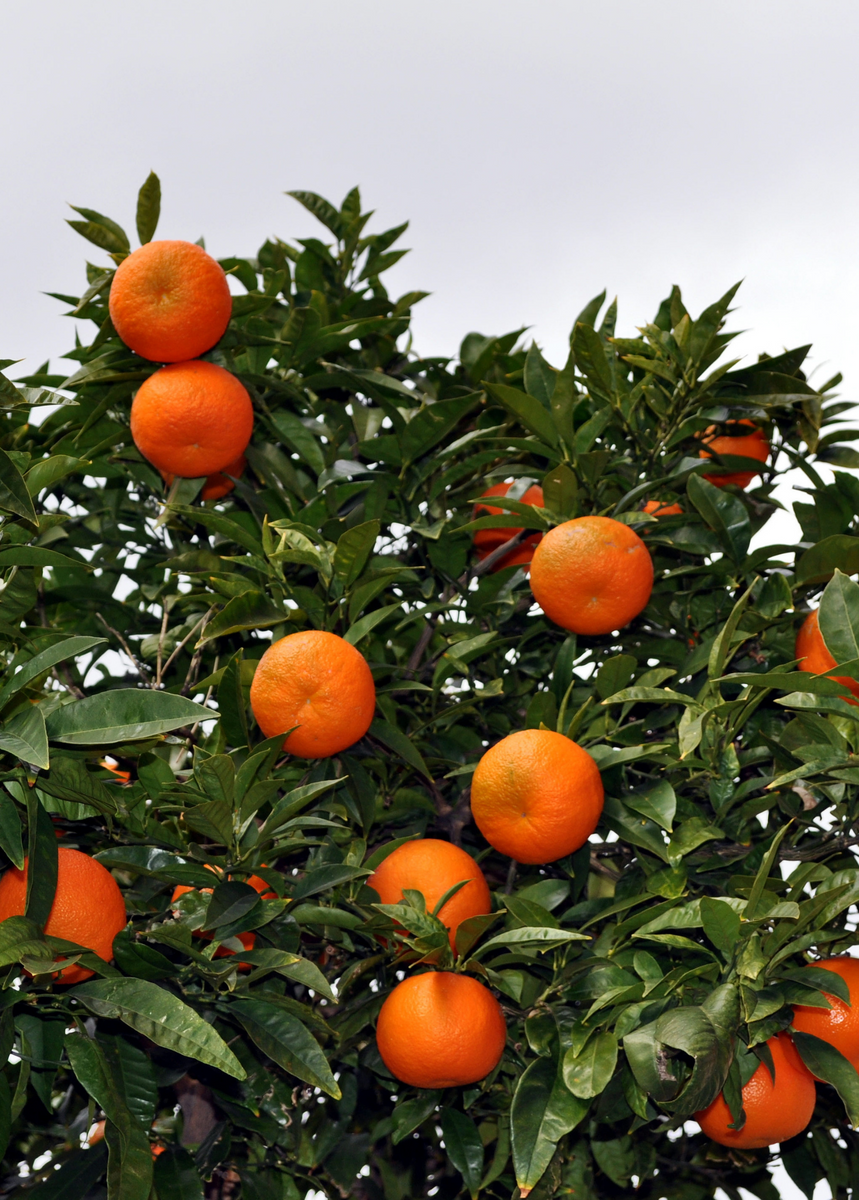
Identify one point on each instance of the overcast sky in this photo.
(541, 151)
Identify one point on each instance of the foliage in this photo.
(640, 975)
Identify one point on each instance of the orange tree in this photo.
(229, 1046)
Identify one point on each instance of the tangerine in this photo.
(318, 682)
(776, 1110)
(662, 510)
(749, 445)
(814, 657)
(217, 485)
(488, 540)
(440, 1030)
(170, 301)
(838, 1025)
(536, 795)
(431, 866)
(247, 939)
(88, 906)
(591, 575)
(192, 419)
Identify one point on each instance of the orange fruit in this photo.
(88, 906)
(838, 1025)
(192, 419)
(536, 796)
(750, 445)
(775, 1111)
(591, 575)
(431, 866)
(216, 485)
(96, 1134)
(814, 657)
(170, 301)
(248, 940)
(487, 540)
(318, 682)
(662, 510)
(440, 1030)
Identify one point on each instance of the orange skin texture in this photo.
(662, 510)
(536, 796)
(431, 866)
(838, 1025)
(191, 419)
(320, 683)
(170, 301)
(774, 1111)
(88, 906)
(440, 1030)
(814, 657)
(217, 485)
(248, 940)
(592, 575)
(487, 540)
(752, 445)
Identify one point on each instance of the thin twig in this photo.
(202, 622)
(142, 671)
(511, 877)
(164, 618)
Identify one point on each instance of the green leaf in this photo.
(763, 874)
(587, 1074)
(148, 208)
(540, 378)
(39, 663)
(839, 617)
(14, 496)
(20, 936)
(300, 439)
(724, 513)
(321, 209)
(47, 471)
(101, 230)
(123, 715)
(409, 1114)
(527, 410)
(357, 632)
(38, 556)
(837, 551)
(464, 1147)
(830, 1065)
(400, 744)
(250, 610)
(354, 547)
(176, 1176)
(721, 924)
(26, 738)
(283, 1038)
(77, 1176)
(10, 831)
(162, 1017)
(659, 804)
(543, 938)
(41, 861)
(322, 879)
(543, 1111)
(231, 703)
(432, 423)
(133, 1074)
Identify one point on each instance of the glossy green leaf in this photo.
(527, 410)
(838, 617)
(123, 715)
(25, 737)
(283, 1038)
(59, 652)
(464, 1147)
(724, 513)
(148, 208)
(250, 610)
(830, 1065)
(14, 496)
(543, 1111)
(588, 1073)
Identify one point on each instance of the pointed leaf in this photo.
(123, 715)
(283, 1038)
(148, 208)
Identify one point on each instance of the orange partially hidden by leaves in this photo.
(838, 1025)
(192, 419)
(170, 301)
(662, 510)
(217, 485)
(88, 906)
(775, 1111)
(317, 685)
(750, 445)
(592, 575)
(440, 1030)
(487, 540)
(814, 657)
(536, 796)
(248, 940)
(431, 866)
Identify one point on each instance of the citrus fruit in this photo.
(216, 485)
(191, 419)
(775, 1111)
(536, 796)
(838, 1025)
(662, 510)
(591, 575)
(431, 866)
(487, 540)
(440, 1030)
(749, 445)
(247, 939)
(318, 682)
(88, 906)
(814, 657)
(170, 301)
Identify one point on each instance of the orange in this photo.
(96, 1134)
(536, 796)
(814, 657)
(838, 1025)
(775, 1111)
(248, 940)
(750, 445)
(88, 906)
(591, 575)
(440, 1030)
(662, 510)
(170, 301)
(318, 682)
(191, 419)
(216, 485)
(431, 866)
(487, 540)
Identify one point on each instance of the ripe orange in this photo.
(662, 510)
(88, 906)
(592, 575)
(775, 1111)
(487, 540)
(838, 1025)
(814, 657)
(750, 445)
(536, 796)
(191, 419)
(318, 682)
(248, 940)
(170, 301)
(440, 1030)
(431, 866)
(216, 485)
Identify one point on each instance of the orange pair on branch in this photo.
(248, 939)
(488, 540)
(735, 444)
(814, 657)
